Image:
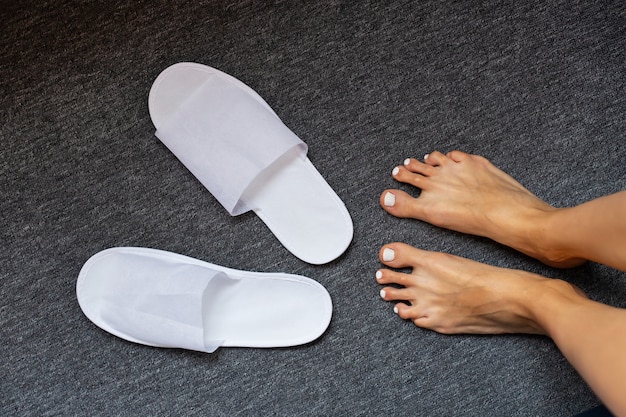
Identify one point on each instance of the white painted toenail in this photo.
(407, 162)
(389, 255)
(389, 200)
(379, 275)
(395, 171)
(395, 309)
(426, 156)
(382, 294)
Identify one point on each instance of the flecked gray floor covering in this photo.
(538, 87)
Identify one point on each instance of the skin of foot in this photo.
(467, 193)
(452, 295)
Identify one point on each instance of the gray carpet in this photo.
(538, 87)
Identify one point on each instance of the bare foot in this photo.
(467, 193)
(453, 295)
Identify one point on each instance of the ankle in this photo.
(540, 233)
(535, 234)
(548, 301)
(527, 301)
(555, 245)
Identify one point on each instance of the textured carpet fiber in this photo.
(537, 87)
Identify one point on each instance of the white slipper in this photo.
(232, 141)
(163, 299)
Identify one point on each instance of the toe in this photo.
(402, 310)
(406, 311)
(458, 156)
(407, 176)
(418, 167)
(399, 255)
(387, 276)
(415, 314)
(388, 199)
(400, 204)
(436, 158)
(387, 255)
(393, 294)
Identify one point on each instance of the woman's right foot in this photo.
(467, 193)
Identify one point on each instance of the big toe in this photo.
(400, 255)
(400, 204)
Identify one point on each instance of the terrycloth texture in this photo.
(537, 87)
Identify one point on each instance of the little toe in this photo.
(413, 313)
(405, 311)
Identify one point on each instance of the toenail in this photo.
(407, 162)
(426, 156)
(388, 255)
(395, 309)
(382, 294)
(395, 171)
(379, 275)
(389, 200)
